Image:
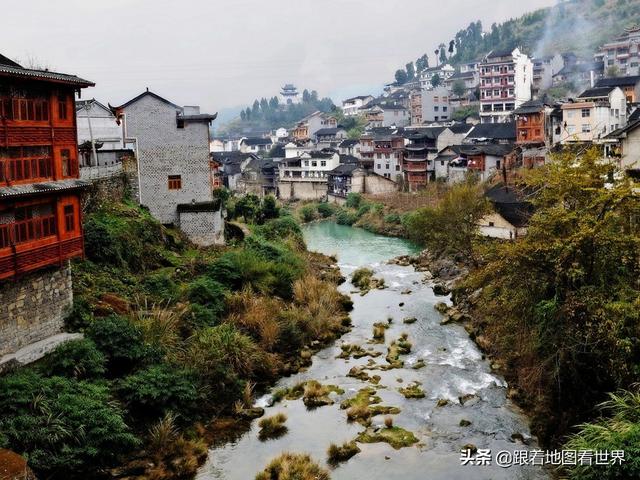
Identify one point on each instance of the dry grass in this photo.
(402, 202)
(320, 305)
(337, 454)
(160, 324)
(292, 466)
(257, 316)
(272, 427)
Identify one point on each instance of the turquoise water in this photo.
(454, 368)
(354, 246)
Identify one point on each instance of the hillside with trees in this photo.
(578, 26)
(269, 114)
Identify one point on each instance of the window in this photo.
(386, 155)
(180, 122)
(387, 166)
(586, 128)
(436, 108)
(379, 166)
(69, 218)
(175, 182)
(586, 112)
(444, 109)
(323, 163)
(62, 107)
(498, 164)
(314, 163)
(496, 93)
(491, 224)
(397, 168)
(69, 167)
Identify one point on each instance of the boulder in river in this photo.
(441, 307)
(441, 289)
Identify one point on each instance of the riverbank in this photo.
(174, 336)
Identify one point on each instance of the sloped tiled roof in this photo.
(9, 68)
(498, 131)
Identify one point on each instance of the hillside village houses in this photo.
(351, 106)
(622, 54)
(595, 113)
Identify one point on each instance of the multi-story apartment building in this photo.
(436, 106)
(416, 107)
(307, 127)
(382, 150)
(351, 106)
(623, 54)
(40, 208)
(544, 68)
(595, 113)
(505, 83)
(173, 164)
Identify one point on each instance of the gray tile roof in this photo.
(43, 187)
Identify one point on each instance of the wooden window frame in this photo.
(174, 182)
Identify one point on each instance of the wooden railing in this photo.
(21, 169)
(27, 230)
(14, 262)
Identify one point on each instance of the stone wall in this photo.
(203, 228)
(302, 190)
(33, 307)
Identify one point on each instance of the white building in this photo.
(505, 83)
(443, 71)
(303, 174)
(436, 106)
(594, 114)
(351, 106)
(97, 121)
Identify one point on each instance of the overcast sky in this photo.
(220, 53)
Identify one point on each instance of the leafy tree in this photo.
(401, 77)
(563, 300)
(264, 105)
(255, 110)
(459, 88)
(273, 103)
(243, 115)
(354, 200)
(209, 293)
(451, 226)
(436, 80)
(443, 53)
(314, 96)
(247, 113)
(452, 45)
(436, 52)
(422, 63)
(65, 427)
(248, 207)
(306, 98)
(269, 208)
(411, 71)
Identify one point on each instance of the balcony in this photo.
(26, 170)
(31, 244)
(415, 167)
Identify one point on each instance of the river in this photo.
(454, 368)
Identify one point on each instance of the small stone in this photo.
(441, 307)
(470, 447)
(401, 304)
(410, 320)
(464, 423)
(443, 402)
(440, 289)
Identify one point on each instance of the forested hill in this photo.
(579, 26)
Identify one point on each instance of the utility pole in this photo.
(87, 106)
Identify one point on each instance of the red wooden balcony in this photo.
(31, 244)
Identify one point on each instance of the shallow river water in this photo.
(454, 368)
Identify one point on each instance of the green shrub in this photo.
(222, 355)
(160, 285)
(200, 316)
(63, 426)
(308, 213)
(344, 217)
(325, 209)
(120, 341)
(209, 293)
(392, 218)
(77, 359)
(80, 316)
(158, 389)
(279, 229)
(354, 200)
(269, 208)
(363, 209)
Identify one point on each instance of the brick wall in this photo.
(163, 150)
(33, 307)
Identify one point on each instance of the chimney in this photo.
(593, 78)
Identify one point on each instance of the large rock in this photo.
(14, 466)
(440, 289)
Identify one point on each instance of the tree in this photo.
(243, 115)
(459, 88)
(273, 103)
(401, 77)
(436, 80)
(443, 53)
(422, 63)
(306, 98)
(314, 96)
(613, 71)
(264, 105)
(255, 111)
(452, 226)
(437, 53)
(452, 44)
(411, 71)
(247, 113)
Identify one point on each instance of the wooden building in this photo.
(40, 215)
